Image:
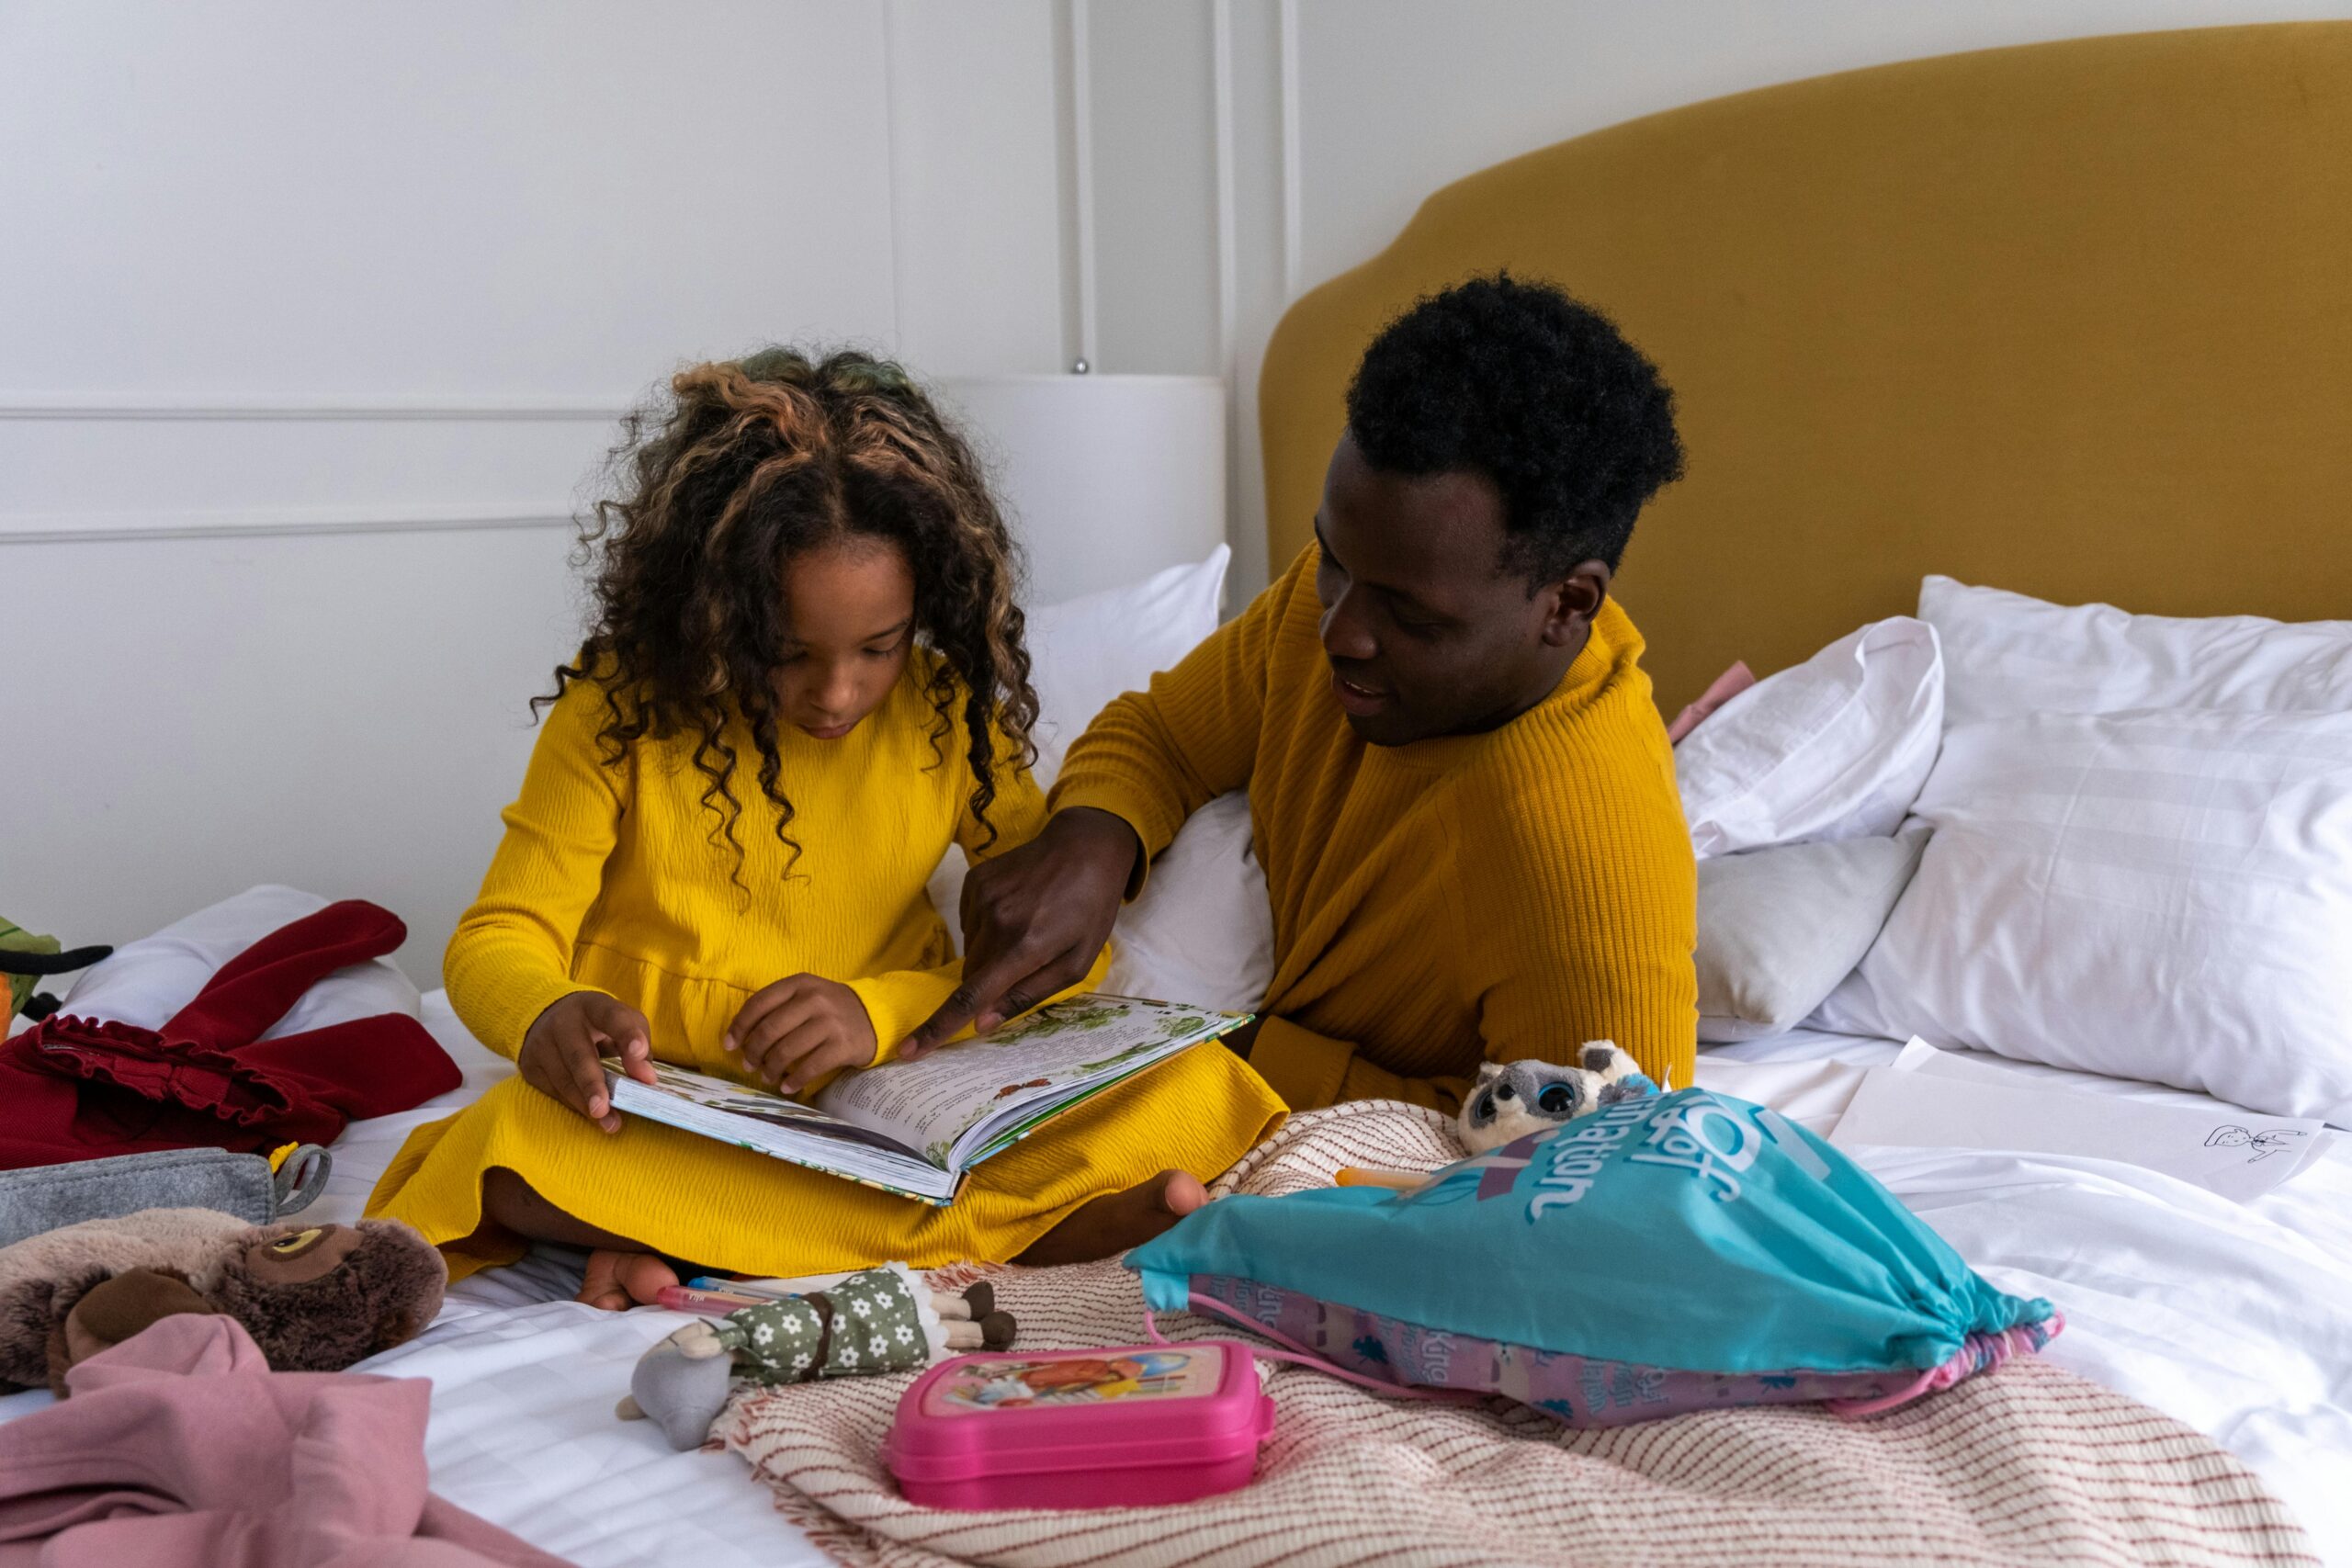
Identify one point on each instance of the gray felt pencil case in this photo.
(49, 1196)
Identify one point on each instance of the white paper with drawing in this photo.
(1930, 1098)
(914, 1128)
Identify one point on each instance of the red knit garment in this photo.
(81, 1088)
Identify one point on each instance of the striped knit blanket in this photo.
(2028, 1464)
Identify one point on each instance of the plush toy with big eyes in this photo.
(1513, 1100)
(314, 1298)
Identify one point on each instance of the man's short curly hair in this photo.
(1539, 394)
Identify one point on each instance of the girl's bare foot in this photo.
(1117, 1221)
(620, 1272)
(618, 1281)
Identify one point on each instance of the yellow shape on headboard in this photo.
(2073, 319)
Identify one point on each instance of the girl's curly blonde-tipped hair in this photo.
(747, 464)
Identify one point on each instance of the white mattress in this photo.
(2237, 1319)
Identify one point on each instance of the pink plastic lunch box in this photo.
(1080, 1428)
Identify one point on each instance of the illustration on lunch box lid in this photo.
(1127, 1426)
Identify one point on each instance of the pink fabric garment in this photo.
(1727, 685)
(180, 1447)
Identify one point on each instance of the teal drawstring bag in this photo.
(1685, 1251)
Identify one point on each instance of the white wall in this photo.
(318, 316)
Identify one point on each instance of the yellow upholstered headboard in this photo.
(2073, 319)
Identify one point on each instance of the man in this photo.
(1462, 794)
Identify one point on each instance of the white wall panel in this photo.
(319, 317)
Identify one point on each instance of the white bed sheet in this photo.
(2237, 1319)
(525, 1380)
(524, 1384)
(2233, 1318)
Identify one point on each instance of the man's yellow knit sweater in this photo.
(1500, 896)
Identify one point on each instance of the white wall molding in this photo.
(1079, 119)
(350, 409)
(1294, 179)
(1229, 274)
(893, 97)
(260, 522)
(1229, 241)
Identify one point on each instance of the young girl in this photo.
(804, 679)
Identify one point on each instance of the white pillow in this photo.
(1780, 927)
(1203, 928)
(147, 981)
(1834, 748)
(1086, 651)
(2162, 896)
(2008, 656)
(1083, 654)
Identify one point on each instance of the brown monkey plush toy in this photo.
(315, 1298)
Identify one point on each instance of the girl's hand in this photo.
(560, 1053)
(795, 1031)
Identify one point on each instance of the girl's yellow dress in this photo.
(607, 879)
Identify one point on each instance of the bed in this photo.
(1972, 315)
(2236, 1320)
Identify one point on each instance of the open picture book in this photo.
(914, 1128)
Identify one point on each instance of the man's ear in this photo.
(1576, 599)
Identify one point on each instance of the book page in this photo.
(929, 1104)
(742, 1099)
(782, 1129)
(761, 1105)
